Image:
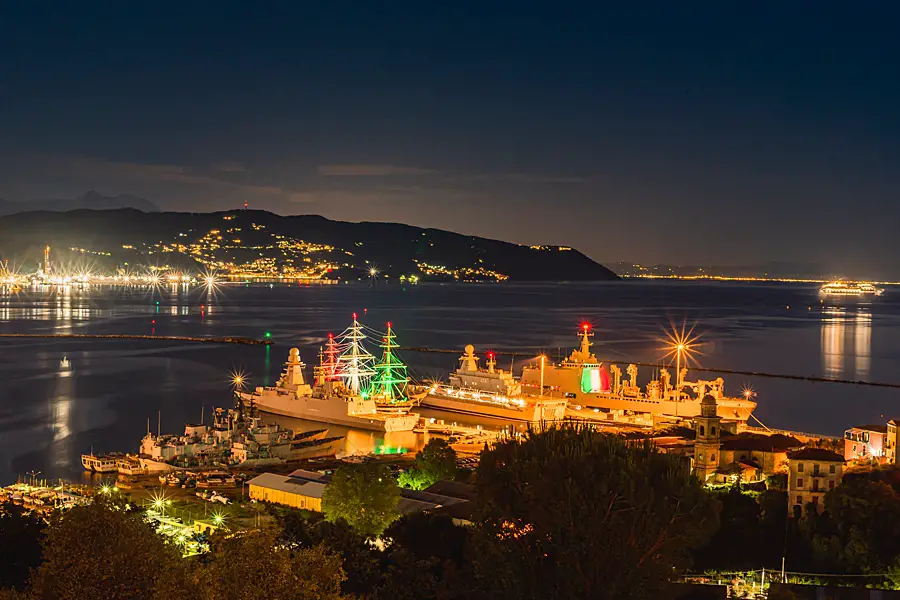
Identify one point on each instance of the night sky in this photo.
(713, 133)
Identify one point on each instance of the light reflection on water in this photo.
(846, 333)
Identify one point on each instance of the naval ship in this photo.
(329, 400)
(584, 381)
(491, 393)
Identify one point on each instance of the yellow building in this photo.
(890, 442)
(813, 473)
(300, 489)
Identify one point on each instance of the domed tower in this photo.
(706, 447)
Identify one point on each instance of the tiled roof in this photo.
(761, 443)
(820, 454)
(876, 428)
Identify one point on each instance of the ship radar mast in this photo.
(468, 361)
(583, 354)
(390, 381)
(491, 363)
(355, 363)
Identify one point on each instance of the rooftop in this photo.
(761, 443)
(875, 428)
(290, 484)
(820, 454)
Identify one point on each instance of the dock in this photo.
(458, 431)
(161, 338)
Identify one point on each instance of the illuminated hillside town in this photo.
(229, 253)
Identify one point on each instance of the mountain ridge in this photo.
(90, 200)
(261, 242)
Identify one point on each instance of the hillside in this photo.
(263, 244)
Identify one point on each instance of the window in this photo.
(799, 482)
(713, 430)
(815, 469)
(799, 467)
(831, 469)
(800, 500)
(702, 431)
(815, 500)
(712, 458)
(831, 484)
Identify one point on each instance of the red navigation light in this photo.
(388, 323)
(153, 322)
(354, 316)
(330, 336)
(586, 326)
(490, 355)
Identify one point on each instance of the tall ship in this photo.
(584, 381)
(844, 288)
(389, 385)
(340, 393)
(491, 392)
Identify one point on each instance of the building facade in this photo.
(866, 443)
(767, 452)
(300, 489)
(813, 472)
(890, 441)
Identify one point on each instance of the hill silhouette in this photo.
(394, 249)
(91, 200)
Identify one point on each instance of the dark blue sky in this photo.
(716, 133)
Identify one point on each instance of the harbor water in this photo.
(100, 398)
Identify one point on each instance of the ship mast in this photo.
(586, 334)
(354, 365)
(331, 358)
(390, 381)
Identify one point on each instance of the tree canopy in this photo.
(20, 544)
(571, 513)
(365, 495)
(101, 550)
(435, 462)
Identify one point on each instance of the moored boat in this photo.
(491, 393)
(104, 463)
(584, 381)
(329, 401)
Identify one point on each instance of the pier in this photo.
(162, 338)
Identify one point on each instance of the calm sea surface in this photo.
(49, 417)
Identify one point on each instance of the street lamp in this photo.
(372, 273)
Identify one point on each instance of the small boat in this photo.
(105, 463)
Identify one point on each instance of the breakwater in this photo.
(166, 338)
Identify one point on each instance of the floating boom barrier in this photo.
(167, 338)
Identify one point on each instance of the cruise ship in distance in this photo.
(584, 381)
(328, 401)
(844, 288)
(492, 393)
